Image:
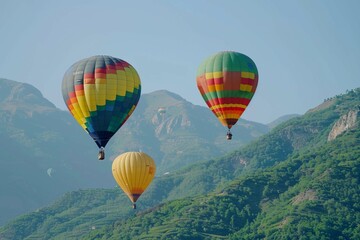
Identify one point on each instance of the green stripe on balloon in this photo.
(227, 93)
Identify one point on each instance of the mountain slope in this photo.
(45, 152)
(176, 133)
(231, 191)
(281, 120)
(313, 194)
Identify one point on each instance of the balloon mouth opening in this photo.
(134, 197)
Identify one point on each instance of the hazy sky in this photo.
(305, 51)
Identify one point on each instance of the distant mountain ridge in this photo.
(12, 91)
(291, 182)
(282, 119)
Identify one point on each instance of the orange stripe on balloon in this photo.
(73, 100)
(80, 93)
(89, 80)
(100, 75)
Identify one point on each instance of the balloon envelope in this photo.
(227, 82)
(101, 92)
(133, 171)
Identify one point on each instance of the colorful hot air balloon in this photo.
(101, 92)
(227, 81)
(133, 171)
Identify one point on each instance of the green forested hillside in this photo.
(315, 194)
(292, 183)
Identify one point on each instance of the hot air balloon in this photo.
(133, 171)
(101, 92)
(162, 110)
(227, 81)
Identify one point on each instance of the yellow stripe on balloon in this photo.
(121, 83)
(79, 118)
(83, 106)
(246, 87)
(135, 77)
(111, 86)
(100, 91)
(129, 80)
(89, 90)
(227, 105)
(211, 75)
(131, 110)
(248, 75)
(100, 80)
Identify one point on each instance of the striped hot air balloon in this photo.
(101, 92)
(227, 81)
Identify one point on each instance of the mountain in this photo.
(295, 182)
(281, 120)
(312, 195)
(177, 133)
(45, 152)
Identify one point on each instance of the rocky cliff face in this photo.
(345, 122)
(166, 125)
(176, 132)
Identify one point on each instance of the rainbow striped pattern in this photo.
(101, 92)
(227, 81)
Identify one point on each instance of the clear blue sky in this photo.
(305, 51)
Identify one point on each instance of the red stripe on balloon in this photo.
(79, 87)
(243, 101)
(100, 70)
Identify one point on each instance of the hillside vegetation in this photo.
(312, 195)
(293, 183)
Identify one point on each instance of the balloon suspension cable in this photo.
(101, 154)
(228, 135)
(134, 205)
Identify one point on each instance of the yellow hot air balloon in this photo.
(133, 171)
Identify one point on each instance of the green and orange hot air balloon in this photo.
(227, 81)
(101, 92)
